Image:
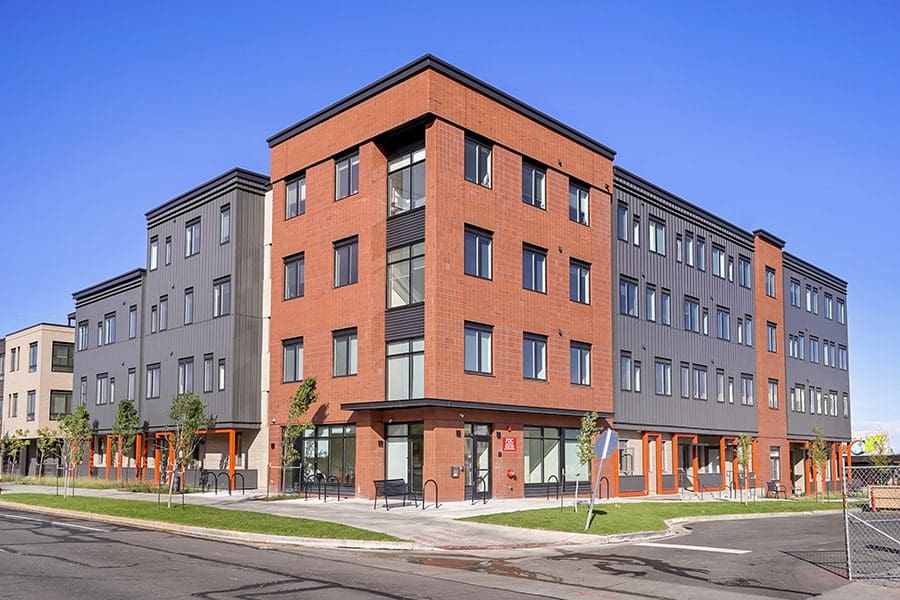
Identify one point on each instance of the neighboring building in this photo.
(192, 321)
(37, 384)
(400, 232)
(2, 379)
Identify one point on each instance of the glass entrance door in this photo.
(478, 459)
(404, 453)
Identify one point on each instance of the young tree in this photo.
(125, 429)
(305, 396)
(16, 445)
(585, 451)
(46, 442)
(745, 456)
(818, 454)
(75, 429)
(188, 417)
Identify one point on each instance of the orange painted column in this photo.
(107, 457)
(232, 438)
(695, 463)
(90, 460)
(645, 459)
(807, 469)
(138, 457)
(659, 463)
(722, 461)
(119, 457)
(156, 459)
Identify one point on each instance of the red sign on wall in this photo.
(509, 444)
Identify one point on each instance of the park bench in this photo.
(774, 488)
(393, 488)
(884, 497)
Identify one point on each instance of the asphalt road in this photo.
(45, 557)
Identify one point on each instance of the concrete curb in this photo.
(218, 534)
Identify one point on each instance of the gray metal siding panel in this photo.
(648, 340)
(406, 228)
(807, 373)
(406, 322)
(631, 483)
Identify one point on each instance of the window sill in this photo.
(478, 373)
(581, 385)
(478, 277)
(344, 376)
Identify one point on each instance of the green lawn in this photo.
(629, 517)
(84, 483)
(202, 516)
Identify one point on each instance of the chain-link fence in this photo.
(872, 523)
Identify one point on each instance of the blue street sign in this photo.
(607, 443)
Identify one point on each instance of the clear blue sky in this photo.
(783, 116)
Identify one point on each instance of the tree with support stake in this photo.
(305, 396)
(125, 429)
(818, 455)
(188, 417)
(744, 457)
(15, 446)
(46, 442)
(606, 445)
(585, 450)
(75, 429)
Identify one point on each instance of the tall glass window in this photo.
(406, 369)
(295, 197)
(404, 453)
(534, 188)
(406, 181)
(326, 453)
(406, 275)
(580, 363)
(346, 176)
(478, 162)
(578, 203)
(534, 269)
(534, 357)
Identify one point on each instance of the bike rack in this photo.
(227, 478)
(424, 487)
(328, 482)
(243, 483)
(484, 492)
(549, 480)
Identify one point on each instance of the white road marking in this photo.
(54, 523)
(698, 548)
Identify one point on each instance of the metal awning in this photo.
(466, 405)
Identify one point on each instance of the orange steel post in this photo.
(645, 451)
(675, 468)
(232, 439)
(107, 457)
(722, 461)
(696, 463)
(90, 460)
(156, 459)
(659, 463)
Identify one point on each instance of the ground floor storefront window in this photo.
(551, 455)
(327, 454)
(405, 453)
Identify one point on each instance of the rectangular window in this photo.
(221, 383)
(102, 389)
(406, 275)
(346, 176)
(846, 406)
(689, 249)
(14, 405)
(829, 307)
(406, 181)
(534, 269)
(153, 258)
(344, 352)
(131, 384)
(580, 282)
(154, 318)
(663, 376)
(700, 382)
(163, 313)
(132, 322)
(295, 197)
(637, 376)
(665, 307)
(188, 306)
(771, 337)
(222, 297)
(679, 248)
(705, 321)
(294, 276)
(775, 462)
(657, 237)
(579, 363)
(795, 293)
(748, 330)
(63, 357)
(292, 351)
(723, 323)
(534, 189)
(82, 391)
(478, 162)
(636, 231)
(814, 349)
(770, 282)
(225, 224)
(747, 390)
(801, 346)
(478, 259)
(81, 337)
(650, 303)
(843, 361)
(60, 404)
(731, 390)
(740, 331)
(718, 261)
(773, 393)
(744, 277)
(701, 254)
(691, 314)
(186, 376)
(30, 405)
(208, 372)
(720, 385)
(477, 348)
(32, 357)
(578, 203)
(815, 301)
(167, 250)
(625, 371)
(730, 268)
(534, 356)
(406, 369)
(346, 261)
(622, 222)
(628, 297)
(109, 328)
(841, 312)
(192, 238)
(685, 380)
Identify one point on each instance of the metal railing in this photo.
(551, 479)
(425, 488)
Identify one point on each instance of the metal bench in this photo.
(393, 488)
(774, 488)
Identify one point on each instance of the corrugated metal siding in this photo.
(806, 373)
(648, 340)
(406, 228)
(631, 483)
(406, 322)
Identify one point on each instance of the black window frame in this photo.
(532, 253)
(300, 208)
(298, 262)
(225, 215)
(194, 239)
(219, 308)
(479, 235)
(582, 293)
(479, 329)
(478, 145)
(69, 365)
(415, 254)
(534, 169)
(351, 244)
(296, 346)
(581, 348)
(575, 209)
(535, 339)
(344, 336)
(346, 158)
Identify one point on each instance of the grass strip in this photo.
(195, 515)
(631, 517)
